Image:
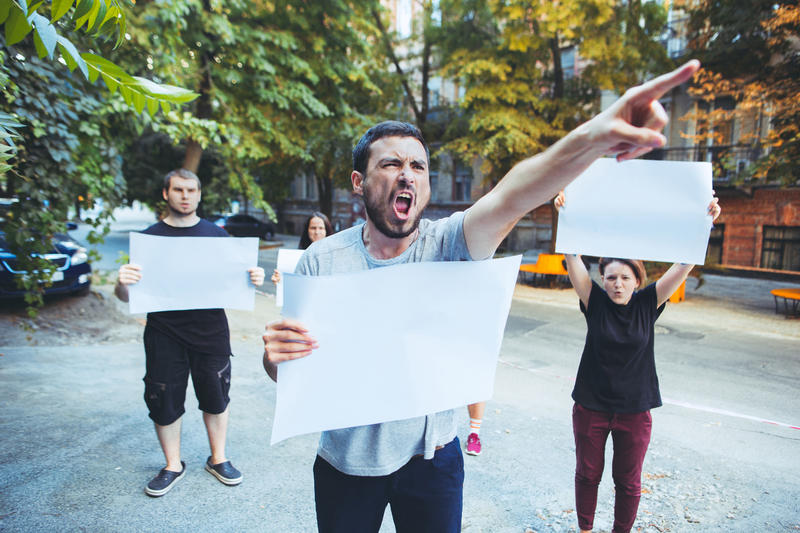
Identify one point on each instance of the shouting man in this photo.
(416, 465)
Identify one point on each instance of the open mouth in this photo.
(402, 204)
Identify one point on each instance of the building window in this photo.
(714, 252)
(403, 18)
(780, 248)
(568, 62)
(434, 92)
(310, 192)
(462, 182)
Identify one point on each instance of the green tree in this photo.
(256, 87)
(285, 86)
(100, 20)
(750, 56)
(63, 152)
(519, 97)
(342, 44)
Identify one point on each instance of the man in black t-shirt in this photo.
(180, 343)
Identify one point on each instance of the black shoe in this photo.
(164, 481)
(225, 472)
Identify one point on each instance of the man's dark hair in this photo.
(389, 128)
(181, 173)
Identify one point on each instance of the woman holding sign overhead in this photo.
(616, 385)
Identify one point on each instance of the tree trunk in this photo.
(203, 109)
(426, 74)
(558, 70)
(412, 101)
(558, 93)
(325, 194)
(194, 152)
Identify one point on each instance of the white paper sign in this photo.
(287, 262)
(192, 273)
(394, 343)
(649, 210)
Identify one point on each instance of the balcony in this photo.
(729, 160)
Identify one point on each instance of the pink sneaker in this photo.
(473, 444)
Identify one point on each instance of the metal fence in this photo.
(730, 161)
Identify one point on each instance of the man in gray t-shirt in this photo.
(415, 465)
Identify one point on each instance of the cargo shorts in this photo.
(168, 366)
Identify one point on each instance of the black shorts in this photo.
(169, 364)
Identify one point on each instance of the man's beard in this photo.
(177, 213)
(376, 212)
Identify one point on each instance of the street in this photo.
(79, 447)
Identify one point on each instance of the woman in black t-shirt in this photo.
(616, 385)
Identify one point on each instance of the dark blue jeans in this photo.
(425, 496)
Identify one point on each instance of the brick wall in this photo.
(745, 215)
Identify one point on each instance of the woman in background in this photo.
(316, 228)
(617, 385)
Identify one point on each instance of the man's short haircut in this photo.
(181, 173)
(389, 128)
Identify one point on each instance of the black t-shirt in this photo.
(202, 330)
(617, 372)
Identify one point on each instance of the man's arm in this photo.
(628, 129)
(128, 275)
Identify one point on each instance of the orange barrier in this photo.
(790, 298)
(679, 295)
(545, 265)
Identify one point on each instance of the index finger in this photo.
(657, 87)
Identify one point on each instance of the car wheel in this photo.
(84, 291)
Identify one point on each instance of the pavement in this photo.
(79, 448)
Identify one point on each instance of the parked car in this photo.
(72, 275)
(244, 225)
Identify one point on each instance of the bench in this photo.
(790, 298)
(546, 266)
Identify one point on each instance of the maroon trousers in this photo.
(630, 434)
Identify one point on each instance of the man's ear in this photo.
(164, 194)
(357, 178)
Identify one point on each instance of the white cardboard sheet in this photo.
(286, 263)
(638, 209)
(192, 273)
(394, 343)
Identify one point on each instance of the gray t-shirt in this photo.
(380, 449)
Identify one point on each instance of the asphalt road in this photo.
(78, 446)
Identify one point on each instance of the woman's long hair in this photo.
(305, 240)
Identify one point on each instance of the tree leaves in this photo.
(99, 19)
(16, 25)
(750, 78)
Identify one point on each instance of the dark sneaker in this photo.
(225, 472)
(164, 481)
